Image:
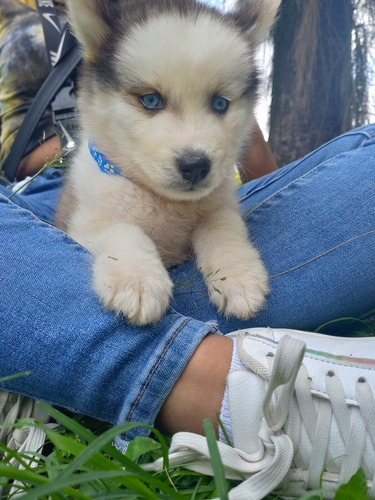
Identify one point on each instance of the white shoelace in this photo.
(28, 439)
(287, 409)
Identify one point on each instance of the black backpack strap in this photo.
(44, 97)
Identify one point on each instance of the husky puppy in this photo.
(166, 106)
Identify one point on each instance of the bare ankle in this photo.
(199, 392)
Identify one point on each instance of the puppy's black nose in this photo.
(194, 167)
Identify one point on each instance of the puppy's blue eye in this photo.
(152, 101)
(219, 104)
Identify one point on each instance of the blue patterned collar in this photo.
(104, 165)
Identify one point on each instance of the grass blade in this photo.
(109, 435)
(62, 484)
(217, 465)
(90, 455)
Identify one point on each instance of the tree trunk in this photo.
(312, 88)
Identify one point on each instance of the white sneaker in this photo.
(294, 414)
(28, 439)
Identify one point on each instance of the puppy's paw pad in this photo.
(141, 295)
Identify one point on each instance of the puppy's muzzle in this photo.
(194, 167)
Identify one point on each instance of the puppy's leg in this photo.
(129, 276)
(235, 275)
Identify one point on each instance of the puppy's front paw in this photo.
(141, 292)
(239, 290)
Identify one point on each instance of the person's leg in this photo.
(313, 222)
(82, 357)
(78, 355)
(314, 225)
(45, 250)
(199, 391)
(287, 441)
(321, 205)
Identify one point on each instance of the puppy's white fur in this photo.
(150, 218)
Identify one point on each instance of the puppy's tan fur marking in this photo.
(153, 215)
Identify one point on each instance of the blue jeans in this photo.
(313, 222)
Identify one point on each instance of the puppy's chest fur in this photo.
(170, 224)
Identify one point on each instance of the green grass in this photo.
(79, 461)
(83, 464)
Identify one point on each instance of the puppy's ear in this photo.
(92, 22)
(255, 17)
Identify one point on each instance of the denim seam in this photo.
(8, 200)
(18, 208)
(298, 162)
(132, 410)
(293, 182)
(49, 225)
(323, 254)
